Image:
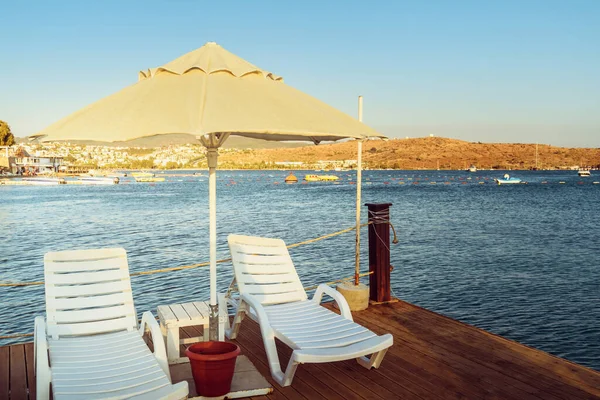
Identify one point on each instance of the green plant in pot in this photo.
(213, 364)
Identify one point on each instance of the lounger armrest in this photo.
(40, 357)
(160, 353)
(337, 297)
(258, 308)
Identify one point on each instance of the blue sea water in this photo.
(521, 261)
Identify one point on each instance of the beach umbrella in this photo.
(210, 93)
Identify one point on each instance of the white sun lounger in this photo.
(89, 346)
(272, 294)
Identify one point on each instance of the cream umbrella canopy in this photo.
(212, 94)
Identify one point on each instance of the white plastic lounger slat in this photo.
(337, 342)
(246, 259)
(115, 382)
(115, 352)
(279, 298)
(98, 347)
(89, 315)
(101, 359)
(105, 300)
(124, 390)
(88, 266)
(304, 324)
(327, 333)
(272, 288)
(247, 248)
(85, 255)
(113, 373)
(293, 315)
(88, 290)
(86, 277)
(73, 369)
(146, 393)
(89, 328)
(105, 340)
(369, 346)
(299, 306)
(285, 277)
(261, 270)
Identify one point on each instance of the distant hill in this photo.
(233, 142)
(431, 153)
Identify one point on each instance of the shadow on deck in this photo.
(433, 357)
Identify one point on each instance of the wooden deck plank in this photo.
(433, 357)
(18, 373)
(30, 370)
(4, 373)
(490, 351)
(447, 370)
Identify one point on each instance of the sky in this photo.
(525, 71)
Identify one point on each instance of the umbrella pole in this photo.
(212, 156)
(358, 198)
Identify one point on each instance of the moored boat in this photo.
(584, 173)
(149, 179)
(318, 178)
(99, 180)
(44, 181)
(507, 179)
(142, 174)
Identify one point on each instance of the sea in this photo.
(521, 261)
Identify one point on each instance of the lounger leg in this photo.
(172, 344)
(271, 350)
(374, 361)
(237, 320)
(290, 371)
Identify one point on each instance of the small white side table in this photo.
(175, 316)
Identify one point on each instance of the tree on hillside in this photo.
(6, 136)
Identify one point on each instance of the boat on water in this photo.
(95, 180)
(44, 181)
(472, 168)
(507, 179)
(318, 178)
(584, 173)
(149, 179)
(142, 175)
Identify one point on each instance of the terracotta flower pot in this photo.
(213, 364)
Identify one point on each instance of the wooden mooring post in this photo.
(379, 252)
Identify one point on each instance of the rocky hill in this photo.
(432, 153)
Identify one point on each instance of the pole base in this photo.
(356, 296)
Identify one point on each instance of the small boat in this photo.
(291, 178)
(472, 168)
(317, 178)
(142, 174)
(149, 179)
(95, 180)
(584, 173)
(507, 180)
(45, 181)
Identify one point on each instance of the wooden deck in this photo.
(433, 357)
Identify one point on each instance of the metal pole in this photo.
(358, 197)
(212, 155)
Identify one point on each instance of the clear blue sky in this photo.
(492, 71)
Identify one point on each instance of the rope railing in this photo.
(191, 266)
(308, 288)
